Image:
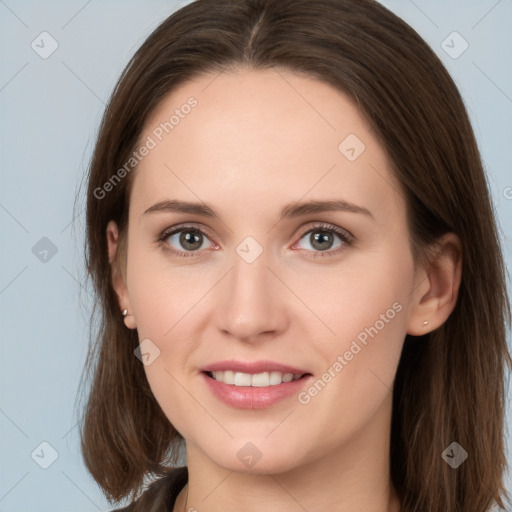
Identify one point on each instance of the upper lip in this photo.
(252, 367)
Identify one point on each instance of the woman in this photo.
(298, 271)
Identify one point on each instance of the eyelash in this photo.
(345, 237)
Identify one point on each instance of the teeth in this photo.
(257, 380)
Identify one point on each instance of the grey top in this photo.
(161, 495)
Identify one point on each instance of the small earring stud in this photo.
(125, 312)
(425, 322)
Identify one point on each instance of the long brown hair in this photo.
(450, 383)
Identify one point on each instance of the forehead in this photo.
(268, 136)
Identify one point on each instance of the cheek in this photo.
(168, 303)
(366, 310)
(368, 291)
(170, 390)
(163, 294)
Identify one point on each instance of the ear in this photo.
(436, 287)
(118, 279)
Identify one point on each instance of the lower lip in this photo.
(249, 397)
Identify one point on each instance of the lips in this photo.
(241, 394)
(253, 367)
(249, 397)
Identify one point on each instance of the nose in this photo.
(252, 303)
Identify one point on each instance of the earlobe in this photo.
(118, 282)
(438, 286)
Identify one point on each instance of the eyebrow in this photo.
(289, 211)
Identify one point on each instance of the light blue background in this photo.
(50, 111)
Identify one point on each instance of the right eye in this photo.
(184, 240)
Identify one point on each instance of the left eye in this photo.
(322, 239)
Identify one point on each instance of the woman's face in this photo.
(327, 291)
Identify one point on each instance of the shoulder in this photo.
(160, 494)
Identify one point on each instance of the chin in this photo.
(249, 459)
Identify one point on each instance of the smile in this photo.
(254, 391)
(257, 380)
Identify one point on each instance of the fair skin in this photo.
(257, 141)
